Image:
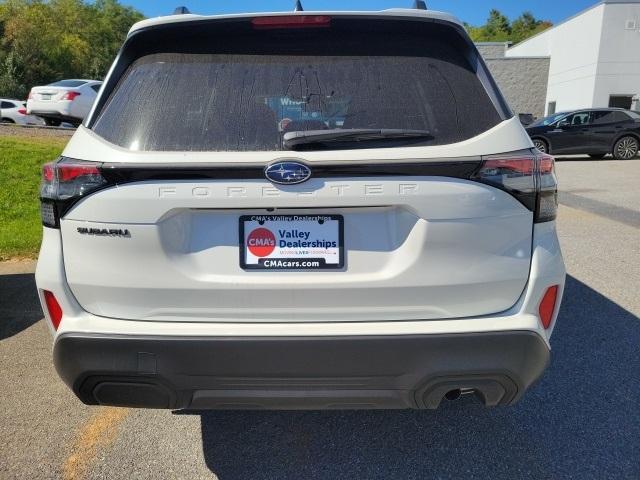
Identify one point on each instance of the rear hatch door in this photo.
(185, 138)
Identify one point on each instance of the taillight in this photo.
(292, 21)
(64, 182)
(547, 207)
(53, 308)
(527, 175)
(547, 306)
(22, 111)
(70, 95)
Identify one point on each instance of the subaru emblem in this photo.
(287, 172)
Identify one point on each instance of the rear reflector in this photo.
(547, 306)
(292, 21)
(53, 307)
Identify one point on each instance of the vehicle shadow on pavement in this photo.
(19, 304)
(582, 420)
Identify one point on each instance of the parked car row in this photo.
(65, 101)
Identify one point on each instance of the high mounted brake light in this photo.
(292, 21)
(64, 182)
(527, 175)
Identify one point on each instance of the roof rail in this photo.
(420, 5)
(181, 11)
(298, 7)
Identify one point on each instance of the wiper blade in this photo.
(305, 137)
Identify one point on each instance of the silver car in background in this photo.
(15, 111)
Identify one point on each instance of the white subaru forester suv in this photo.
(300, 210)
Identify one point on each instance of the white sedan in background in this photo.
(15, 111)
(64, 101)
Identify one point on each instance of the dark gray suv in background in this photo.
(595, 132)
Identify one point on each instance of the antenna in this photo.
(298, 7)
(420, 5)
(181, 11)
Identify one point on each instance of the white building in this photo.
(594, 57)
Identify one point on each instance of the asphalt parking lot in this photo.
(582, 420)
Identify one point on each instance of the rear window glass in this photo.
(543, 122)
(246, 99)
(67, 83)
(610, 116)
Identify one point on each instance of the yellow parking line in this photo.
(99, 432)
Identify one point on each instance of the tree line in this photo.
(499, 28)
(43, 41)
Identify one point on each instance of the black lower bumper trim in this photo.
(409, 371)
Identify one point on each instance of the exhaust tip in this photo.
(452, 395)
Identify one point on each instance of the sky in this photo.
(474, 12)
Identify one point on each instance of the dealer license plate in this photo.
(291, 242)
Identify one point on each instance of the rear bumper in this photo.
(339, 372)
(337, 364)
(62, 115)
(52, 107)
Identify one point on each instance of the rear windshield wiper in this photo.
(306, 137)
